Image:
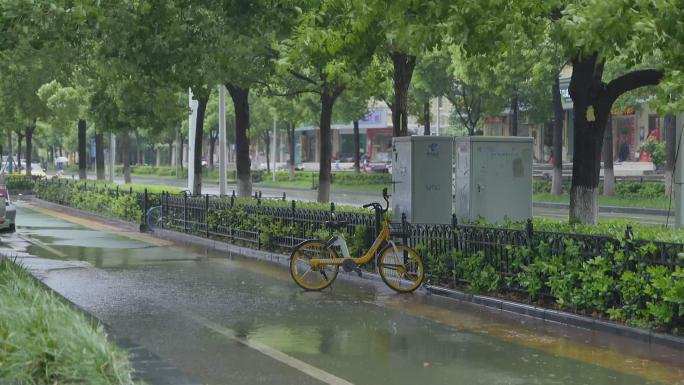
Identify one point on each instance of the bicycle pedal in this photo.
(358, 272)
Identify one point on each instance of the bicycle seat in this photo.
(336, 224)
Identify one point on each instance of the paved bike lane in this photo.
(239, 321)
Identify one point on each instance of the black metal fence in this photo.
(227, 219)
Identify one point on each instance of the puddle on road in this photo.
(362, 334)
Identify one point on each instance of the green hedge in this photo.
(18, 182)
(91, 197)
(340, 178)
(623, 189)
(616, 285)
(44, 341)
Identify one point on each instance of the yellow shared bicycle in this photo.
(314, 264)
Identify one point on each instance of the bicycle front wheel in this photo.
(401, 268)
(308, 274)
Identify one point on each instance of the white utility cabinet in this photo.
(492, 178)
(422, 178)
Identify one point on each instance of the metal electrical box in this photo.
(422, 178)
(492, 178)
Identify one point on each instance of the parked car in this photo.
(8, 212)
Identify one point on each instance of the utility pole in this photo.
(191, 140)
(222, 139)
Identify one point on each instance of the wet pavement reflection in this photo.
(231, 320)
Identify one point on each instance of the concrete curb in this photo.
(607, 209)
(545, 314)
(565, 318)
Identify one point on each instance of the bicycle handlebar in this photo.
(378, 206)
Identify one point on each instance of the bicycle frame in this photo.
(383, 237)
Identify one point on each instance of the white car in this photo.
(8, 211)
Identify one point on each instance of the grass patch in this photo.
(307, 185)
(651, 203)
(44, 341)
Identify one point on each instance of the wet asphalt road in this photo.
(231, 320)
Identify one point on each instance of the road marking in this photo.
(277, 355)
(42, 246)
(95, 225)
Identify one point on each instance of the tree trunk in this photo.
(291, 144)
(325, 146)
(138, 148)
(557, 178)
(157, 160)
(199, 134)
(99, 156)
(180, 151)
(357, 147)
(670, 152)
(212, 143)
(171, 160)
(126, 156)
(513, 123)
(29, 146)
(426, 116)
(9, 142)
(20, 137)
(403, 72)
(592, 100)
(240, 98)
(608, 170)
(82, 166)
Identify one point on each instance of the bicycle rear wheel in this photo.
(401, 268)
(153, 217)
(308, 275)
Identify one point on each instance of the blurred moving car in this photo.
(382, 163)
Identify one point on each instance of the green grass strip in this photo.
(44, 341)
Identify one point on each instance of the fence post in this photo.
(165, 195)
(629, 234)
(529, 227)
(206, 214)
(404, 229)
(292, 221)
(454, 223)
(145, 204)
(284, 196)
(185, 211)
(258, 227)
